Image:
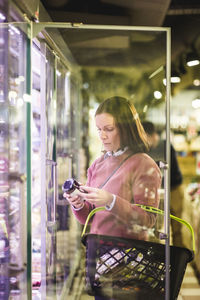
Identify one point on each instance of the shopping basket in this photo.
(130, 269)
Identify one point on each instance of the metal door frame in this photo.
(36, 28)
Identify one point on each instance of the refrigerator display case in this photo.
(13, 172)
(52, 164)
(4, 170)
(35, 159)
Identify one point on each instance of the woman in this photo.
(120, 178)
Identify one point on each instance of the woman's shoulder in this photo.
(144, 164)
(141, 156)
(143, 159)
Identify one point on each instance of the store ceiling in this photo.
(182, 16)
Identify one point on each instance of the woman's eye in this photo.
(105, 129)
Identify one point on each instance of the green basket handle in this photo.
(90, 216)
(150, 209)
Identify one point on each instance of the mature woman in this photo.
(120, 178)
(136, 181)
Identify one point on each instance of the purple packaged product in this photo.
(71, 186)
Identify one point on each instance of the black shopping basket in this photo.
(130, 269)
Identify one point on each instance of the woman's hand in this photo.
(96, 196)
(76, 201)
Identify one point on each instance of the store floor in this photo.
(190, 289)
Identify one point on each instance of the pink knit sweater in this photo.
(136, 181)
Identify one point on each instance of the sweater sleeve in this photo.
(145, 184)
(81, 215)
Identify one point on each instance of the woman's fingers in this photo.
(74, 200)
(88, 189)
(89, 193)
(93, 195)
(71, 199)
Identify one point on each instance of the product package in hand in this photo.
(72, 187)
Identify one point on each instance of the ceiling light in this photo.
(157, 95)
(192, 59)
(196, 82)
(175, 76)
(174, 79)
(164, 81)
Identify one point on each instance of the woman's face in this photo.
(108, 132)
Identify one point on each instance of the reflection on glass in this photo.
(63, 112)
(64, 167)
(36, 169)
(13, 259)
(50, 109)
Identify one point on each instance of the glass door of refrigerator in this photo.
(14, 156)
(52, 163)
(64, 171)
(49, 174)
(36, 159)
(44, 177)
(133, 62)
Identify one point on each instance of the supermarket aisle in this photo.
(190, 289)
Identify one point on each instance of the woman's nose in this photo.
(103, 135)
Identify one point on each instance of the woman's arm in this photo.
(81, 214)
(79, 205)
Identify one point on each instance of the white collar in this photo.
(115, 154)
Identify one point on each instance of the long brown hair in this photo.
(127, 120)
